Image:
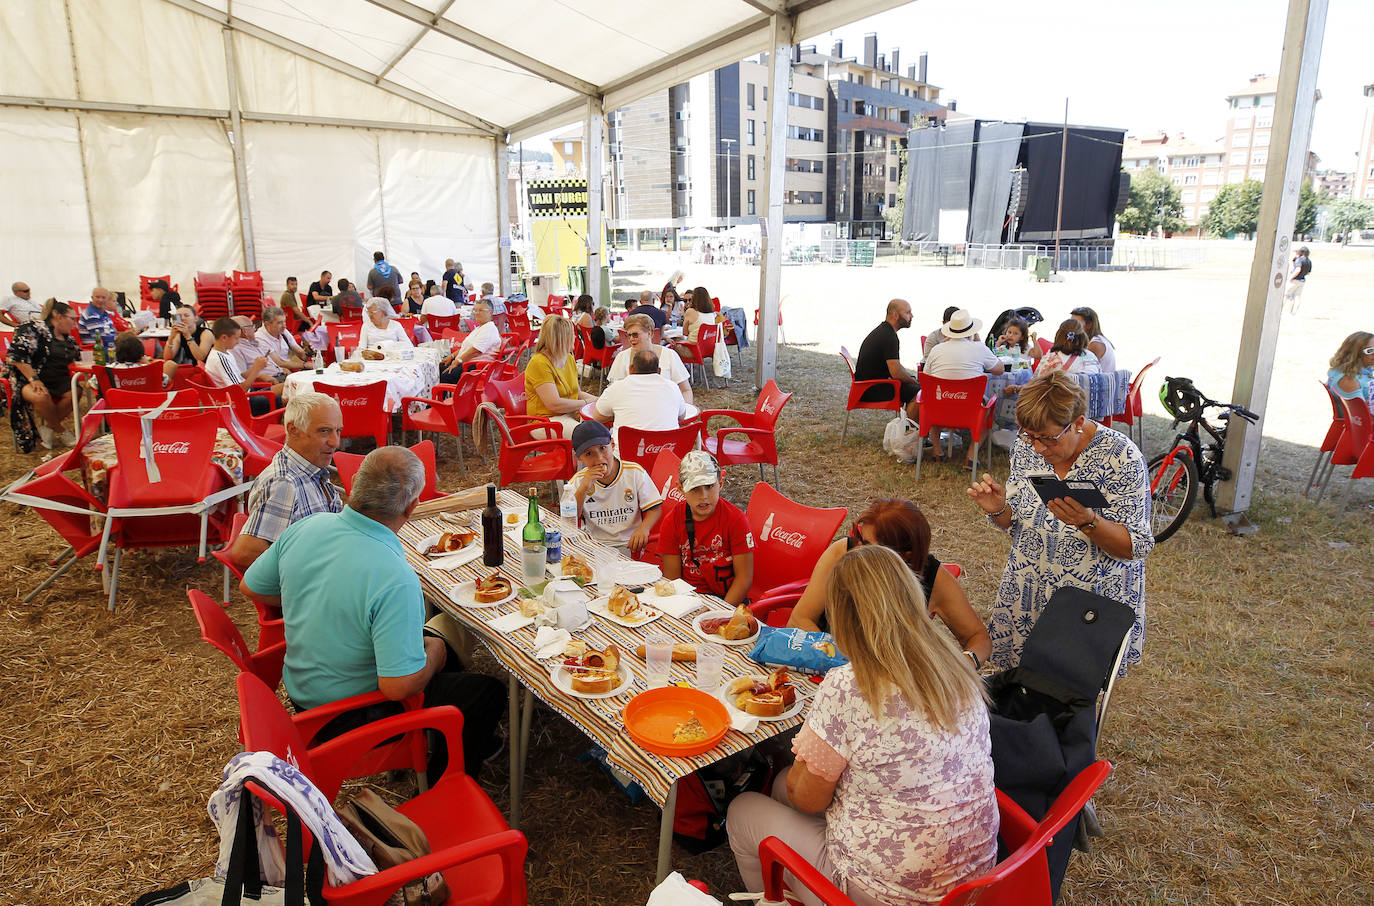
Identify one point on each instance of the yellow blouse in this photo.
(542, 371)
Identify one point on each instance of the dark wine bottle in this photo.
(493, 542)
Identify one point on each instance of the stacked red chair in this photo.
(245, 288)
(212, 296)
(145, 295)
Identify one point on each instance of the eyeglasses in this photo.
(635, 333)
(1042, 440)
(856, 537)
(1369, 350)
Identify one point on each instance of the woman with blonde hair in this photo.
(1061, 542)
(891, 795)
(551, 387)
(1352, 367)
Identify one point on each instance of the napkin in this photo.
(458, 558)
(509, 622)
(675, 605)
(745, 723)
(549, 642)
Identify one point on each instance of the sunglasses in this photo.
(1041, 439)
(1369, 350)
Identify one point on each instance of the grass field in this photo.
(1241, 745)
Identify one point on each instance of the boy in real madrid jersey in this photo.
(618, 502)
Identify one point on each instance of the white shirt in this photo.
(486, 339)
(669, 365)
(22, 309)
(957, 360)
(222, 368)
(613, 510)
(442, 306)
(281, 346)
(371, 335)
(649, 402)
(1106, 361)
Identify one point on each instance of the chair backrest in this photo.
(119, 398)
(75, 528)
(1133, 397)
(145, 297)
(769, 405)
(344, 334)
(180, 448)
(1357, 432)
(219, 631)
(363, 407)
(437, 324)
(951, 403)
(147, 378)
(508, 394)
(257, 450)
(1337, 426)
(349, 463)
(211, 280)
(707, 334)
(848, 361)
(267, 727)
(789, 537)
(645, 447)
(664, 474)
(408, 325)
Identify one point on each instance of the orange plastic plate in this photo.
(651, 717)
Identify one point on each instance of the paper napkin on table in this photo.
(745, 723)
(458, 558)
(674, 605)
(509, 622)
(549, 642)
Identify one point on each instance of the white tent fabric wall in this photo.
(47, 221)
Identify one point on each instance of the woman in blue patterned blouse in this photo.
(1063, 542)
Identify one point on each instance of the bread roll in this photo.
(623, 602)
(491, 589)
(594, 682)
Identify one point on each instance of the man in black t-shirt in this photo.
(321, 291)
(453, 282)
(647, 307)
(1297, 279)
(880, 358)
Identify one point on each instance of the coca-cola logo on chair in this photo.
(780, 535)
(179, 447)
(943, 394)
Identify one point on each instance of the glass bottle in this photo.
(493, 547)
(532, 552)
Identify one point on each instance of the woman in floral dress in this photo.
(1063, 542)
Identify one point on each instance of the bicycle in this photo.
(1176, 474)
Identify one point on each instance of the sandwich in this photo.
(767, 697)
(684, 651)
(575, 566)
(595, 671)
(449, 542)
(373, 355)
(491, 589)
(623, 602)
(351, 367)
(737, 627)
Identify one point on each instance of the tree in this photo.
(1350, 215)
(1235, 209)
(1308, 201)
(1154, 203)
(893, 215)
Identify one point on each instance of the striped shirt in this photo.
(289, 489)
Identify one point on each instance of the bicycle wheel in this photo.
(1175, 491)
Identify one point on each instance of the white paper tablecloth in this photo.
(416, 377)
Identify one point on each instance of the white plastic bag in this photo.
(901, 438)
(675, 891)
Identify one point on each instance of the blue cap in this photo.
(588, 434)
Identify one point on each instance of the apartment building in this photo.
(1249, 120)
(1364, 167)
(1197, 168)
(1335, 183)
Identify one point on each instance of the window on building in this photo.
(1240, 140)
(749, 96)
(892, 174)
(749, 167)
(1262, 139)
(1209, 194)
(1259, 157)
(750, 203)
(1189, 195)
(749, 132)
(765, 94)
(891, 200)
(861, 80)
(1263, 121)
(1192, 162)
(844, 105)
(1238, 157)
(805, 133)
(1234, 176)
(1190, 179)
(1178, 180)
(859, 109)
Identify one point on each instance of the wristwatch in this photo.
(1090, 526)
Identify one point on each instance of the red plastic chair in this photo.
(450, 408)
(408, 324)
(271, 626)
(955, 404)
(1135, 410)
(788, 537)
(188, 377)
(437, 324)
(268, 425)
(145, 296)
(82, 534)
(697, 353)
(119, 398)
(220, 632)
(146, 378)
(481, 858)
(186, 482)
(1045, 345)
(518, 323)
(212, 295)
(1364, 468)
(345, 334)
(1021, 879)
(858, 388)
(759, 429)
(222, 555)
(602, 358)
(782, 337)
(527, 451)
(644, 447)
(1333, 436)
(363, 407)
(509, 394)
(349, 463)
(1353, 440)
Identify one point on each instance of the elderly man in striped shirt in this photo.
(296, 483)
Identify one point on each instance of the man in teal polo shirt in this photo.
(355, 616)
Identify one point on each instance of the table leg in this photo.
(76, 401)
(525, 718)
(665, 835)
(513, 743)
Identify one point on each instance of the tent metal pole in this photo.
(1063, 159)
(501, 153)
(237, 141)
(596, 223)
(1294, 106)
(774, 161)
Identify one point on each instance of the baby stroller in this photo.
(1047, 712)
(1030, 315)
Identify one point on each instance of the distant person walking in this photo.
(1297, 280)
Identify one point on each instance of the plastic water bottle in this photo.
(567, 508)
(319, 362)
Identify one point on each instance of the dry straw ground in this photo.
(1242, 745)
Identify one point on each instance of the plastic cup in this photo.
(658, 659)
(710, 665)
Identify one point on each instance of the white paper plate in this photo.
(563, 680)
(696, 626)
(601, 607)
(430, 540)
(729, 700)
(461, 594)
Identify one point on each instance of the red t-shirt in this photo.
(707, 564)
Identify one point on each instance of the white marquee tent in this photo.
(294, 136)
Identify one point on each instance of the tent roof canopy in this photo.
(516, 70)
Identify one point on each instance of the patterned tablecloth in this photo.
(415, 377)
(99, 455)
(1107, 393)
(600, 719)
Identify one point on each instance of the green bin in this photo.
(1042, 269)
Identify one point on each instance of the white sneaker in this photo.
(45, 437)
(66, 438)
